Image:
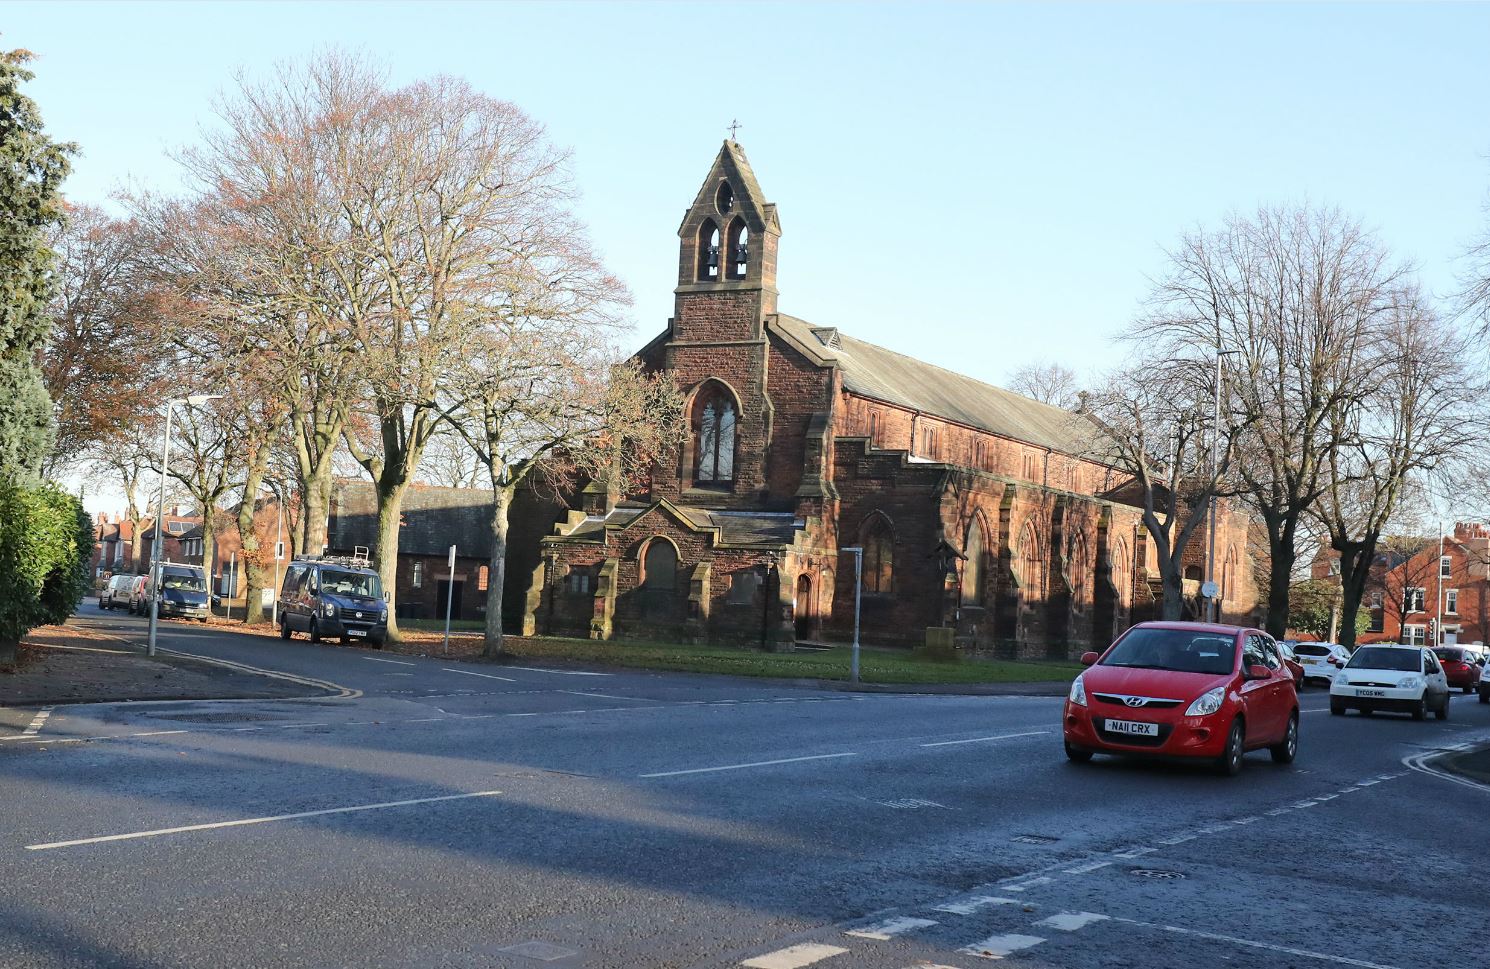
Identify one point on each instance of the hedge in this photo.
(46, 546)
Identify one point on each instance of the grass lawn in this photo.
(876, 665)
(438, 625)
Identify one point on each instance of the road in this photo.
(459, 815)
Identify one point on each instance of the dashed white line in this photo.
(1087, 868)
(607, 696)
(1070, 921)
(978, 740)
(1043, 880)
(971, 905)
(395, 662)
(37, 721)
(758, 763)
(795, 957)
(504, 679)
(1251, 943)
(998, 946)
(264, 820)
(535, 669)
(890, 928)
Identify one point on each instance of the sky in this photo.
(979, 185)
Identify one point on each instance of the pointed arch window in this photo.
(739, 249)
(724, 200)
(1228, 575)
(715, 421)
(660, 566)
(879, 555)
(972, 568)
(708, 251)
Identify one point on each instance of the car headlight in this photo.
(1078, 692)
(1207, 703)
(1409, 682)
(330, 609)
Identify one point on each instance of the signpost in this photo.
(449, 596)
(858, 551)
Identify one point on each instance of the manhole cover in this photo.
(1035, 839)
(1156, 873)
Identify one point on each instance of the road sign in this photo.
(1209, 590)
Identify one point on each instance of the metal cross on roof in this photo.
(734, 126)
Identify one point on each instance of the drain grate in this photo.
(1160, 873)
(1035, 839)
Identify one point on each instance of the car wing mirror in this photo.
(1257, 672)
(1089, 658)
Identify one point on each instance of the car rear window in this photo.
(1450, 655)
(1385, 658)
(1310, 649)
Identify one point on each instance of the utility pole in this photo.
(1210, 589)
(449, 596)
(1438, 624)
(858, 553)
(160, 515)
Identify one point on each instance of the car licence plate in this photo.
(356, 632)
(1133, 728)
(1370, 692)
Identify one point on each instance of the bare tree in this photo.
(1047, 382)
(449, 461)
(125, 461)
(1298, 293)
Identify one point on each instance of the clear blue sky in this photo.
(977, 184)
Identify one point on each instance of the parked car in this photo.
(1460, 666)
(1185, 690)
(116, 592)
(1484, 688)
(1321, 661)
(1286, 650)
(1402, 679)
(333, 597)
(137, 590)
(182, 594)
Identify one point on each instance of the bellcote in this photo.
(728, 239)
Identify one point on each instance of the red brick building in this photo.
(975, 507)
(1410, 589)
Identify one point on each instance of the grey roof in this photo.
(895, 378)
(735, 527)
(435, 519)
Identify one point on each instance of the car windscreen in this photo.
(183, 582)
(1384, 658)
(342, 583)
(1180, 650)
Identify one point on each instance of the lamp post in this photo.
(160, 513)
(1211, 590)
(858, 553)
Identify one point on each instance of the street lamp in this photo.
(858, 553)
(160, 513)
(1210, 590)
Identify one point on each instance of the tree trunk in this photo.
(9, 648)
(209, 552)
(1172, 579)
(315, 500)
(1281, 529)
(390, 508)
(248, 539)
(497, 568)
(1355, 570)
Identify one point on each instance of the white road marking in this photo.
(1178, 839)
(758, 763)
(976, 740)
(890, 928)
(1070, 921)
(1134, 852)
(608, 696)
(1090, 866)
(505, 679)
(264, 820)
(1246, 820)
(83, 740)
(1043, 880)
(37, 721)
(971, 905)
(395, 662)
(535, 669)
(1250, 943)
(795, 956)
(1419, 762)
(998, 946)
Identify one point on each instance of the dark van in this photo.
(183, 592)
(333, 598)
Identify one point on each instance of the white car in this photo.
(1321, 661)
(1404, 679)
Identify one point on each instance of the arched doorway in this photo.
(804, 611)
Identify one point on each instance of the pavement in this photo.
(436, 813)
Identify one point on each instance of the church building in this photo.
(973, 507)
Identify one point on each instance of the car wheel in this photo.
(1337, 709)
(315, 631)
(1285, 752)
(1230, 763)
(1485, 696)
(1420, 712)
(284, 627)
(1442, 712)
(1366, 711)
(1078, 756)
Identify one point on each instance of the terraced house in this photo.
(974, 507)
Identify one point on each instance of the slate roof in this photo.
(895, 378)
(435, 519)
(735, 527)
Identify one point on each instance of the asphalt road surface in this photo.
(444, 814)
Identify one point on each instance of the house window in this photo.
(1415, 635)
(929, 442)
(418, 580)
(483, 578)
(1451, 601)
(879, 556)
(578, 582)
(714, 436)
(1378, 623)
(980, 454)
(1445, 567)
(1029, 466)
(1413, 601)
(874, 427)
(1376, 600)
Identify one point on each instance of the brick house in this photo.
(1406, 587)
(434, 519)
(270, 526)
(975, 507)
(115, 549)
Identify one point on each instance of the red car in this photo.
(1185, 690)
(1460, 667)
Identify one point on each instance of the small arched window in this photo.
(660, 566)
(874, 427)
(724, 200)
(1031, 566)
(714, 424)
(1077, 572)
(1228, 575)
(708, 251)
(879, 555)
(972, 568)
(739, 249)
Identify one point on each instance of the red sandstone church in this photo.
(975, 507)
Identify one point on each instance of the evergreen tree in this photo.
(32, 167)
